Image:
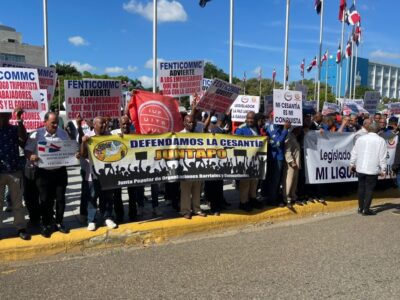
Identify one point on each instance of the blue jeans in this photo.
(106, 202)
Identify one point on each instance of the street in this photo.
(336, 256)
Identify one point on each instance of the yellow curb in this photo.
(155, 232)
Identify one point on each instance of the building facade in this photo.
(12, 48)
(385, 79)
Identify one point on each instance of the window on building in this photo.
(12, 57)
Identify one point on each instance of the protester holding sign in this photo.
(368, 158)
(50, 181)
(11, 138)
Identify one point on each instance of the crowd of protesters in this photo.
(43, 190)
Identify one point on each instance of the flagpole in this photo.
(355, 75)
(337, 81)
(351, 71)
(315, 86)
(45, 28)
(231, 42)
(154, 46)
(347, 73)
(326, 78)
(341, 59)
(285, 60)
(59, 95)
(320, 50)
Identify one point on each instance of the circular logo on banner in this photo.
(245, 99)
(297, 97)
(288, 96)
(155, 117)
(110, 151)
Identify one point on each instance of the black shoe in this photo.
(61, 228)
(246, 207)
(256, 204)
(368, 212)
(45, 232)
(24, 235)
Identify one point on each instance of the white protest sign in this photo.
(371, 100)
(328, 156)
(330, 108)
(242, 105)
(219, 96)
(92, 97)
(206, 84)
(268, 104)
(57, 154)
(47, 76)
(303, 89)
(19, 88)
(288, 106)
(181, 78)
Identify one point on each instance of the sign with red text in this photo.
(219, 96)
(19, 88)
(181, 78)
(47, 76)
(92, 98)
(288, 106)
(243, 105)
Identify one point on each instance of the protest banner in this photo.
(288, 106)
(19, 88)
(309, 107)
(154, 113)
(303, 89)
(47, 76)
(57, 153)
(219, 96)
(92, 97)
(330, 108)
(327, 156)
(371, 100)
(394, 108)
(181, 78)
(143, 159)
(352, 107)
(242, 105)
(206, 84)
(268, 104)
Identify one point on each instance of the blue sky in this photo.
(115, 36)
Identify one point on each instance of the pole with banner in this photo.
(45, 29)
(321, 30)
(154, 46)
(285, 60)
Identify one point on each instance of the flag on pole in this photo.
(312, 64)
(203, 3)
(342, 9)
(353, 16)
(273, 75)
(357, 34)
(348, 49)
(324, 57)
(302, 67)
(318, 5)
(338, 55)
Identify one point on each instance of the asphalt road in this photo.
(343, 256)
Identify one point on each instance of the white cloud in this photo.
(382, 54)
(78, 41)
(146, 81)
(167, 10)
(114, 70)
(149, 63)
(132, 69)
(81, 67)
(257, 46)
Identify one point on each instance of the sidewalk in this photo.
(155, 230)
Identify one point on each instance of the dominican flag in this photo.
(312, 64)
(45, 148)
(357, 34)
(203, 3)
(325, 57)
(342, 9)
(273, 75)
(302, 67)
(348, 49)
(338, 55)
(318, 5)
(353, 17)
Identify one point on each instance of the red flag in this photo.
(338, 55)
(312, 64)
(342, 8)
(348, 49)
(153, 113)
(325, 57)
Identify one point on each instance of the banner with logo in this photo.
(371, 100)
(47, 76)
(330, 108)
(219, 96)
(181, 78)
(92, 98)
(242, 105)
(147, 159)
(57, 154)
(327, 156)
(288, 106)
(154, 113)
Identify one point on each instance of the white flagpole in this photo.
(347, 75)
(231, 42)
(326, 78)
(154, 46)
(355, 74)
(351, 70)
(315, 85)
(320, 49)
(337, 81)
(339, 94)
(285, 60)
(46, 41)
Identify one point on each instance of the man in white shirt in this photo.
(368, 159)
(52, 181)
